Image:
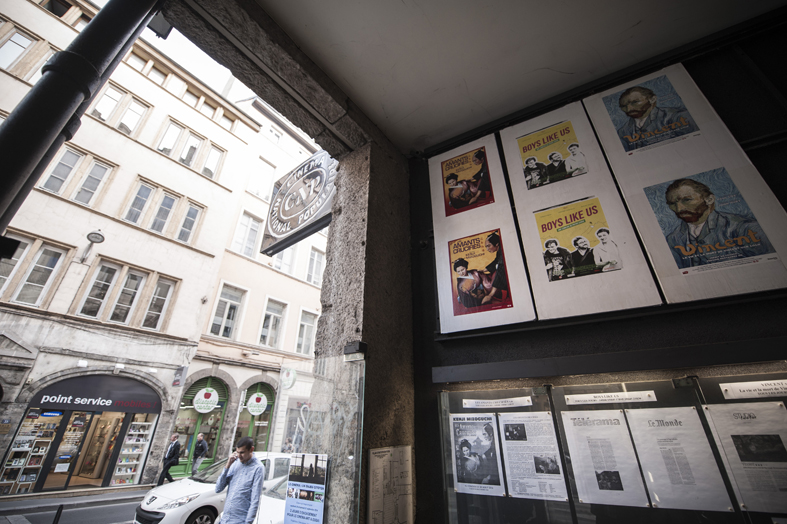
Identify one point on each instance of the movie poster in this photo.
(305, 501)
(476, 459)
(577, 240)
(551, 155)
(466, 182)
(707, 223)
(480, 280)
(649, 114)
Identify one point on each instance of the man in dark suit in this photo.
(170, 459)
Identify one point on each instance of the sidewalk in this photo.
(11, 510)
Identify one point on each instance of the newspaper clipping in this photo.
(603, 459)
(673, 449)
(551, 155)
(476, 458)
(753, 439)
(532, 458)
(480, 280)
(649, 114)
(576, 240)
(466, 182)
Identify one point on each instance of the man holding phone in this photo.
(244, 475)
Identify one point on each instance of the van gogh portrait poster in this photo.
(708, 221)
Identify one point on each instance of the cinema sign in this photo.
(301, 203)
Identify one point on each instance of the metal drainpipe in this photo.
(49, 114)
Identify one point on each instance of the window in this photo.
(273, 324)
(227, 311)
(127, 297)
(306, 333)
(170, 138)
(81, 23)
(131, 117)
(67, 164)
(260, 181)
(283, 260)
(56, 7)
(158, 304)
(38, 72)
(225, 122)
(191, 99)
(189, 152)
(207, 110)
(245, 239)
(188, 223)
(96, 297)
(107, 104)
(162, 215)
(139, 202)
(91, 183)
(8, 266)
(137, 62)
(12, 49)
(176, 85)
(40, 275)
(275, 134)
(212, 163)
(314, 274)
(157, 75)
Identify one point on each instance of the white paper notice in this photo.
(676, 458)
(390, 485)
(476, 459)
(493, 403)
(763, 389)
(605, 466)
(610, 398)
(62, 468)
(532, 457)
(752, 437)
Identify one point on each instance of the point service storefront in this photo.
(82, 432)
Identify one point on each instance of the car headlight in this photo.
(180, 502)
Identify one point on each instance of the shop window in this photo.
(127, 298)
(137, 62)
(314, 275)
(162, 214)
(138, 204)
(254, 421)
(40, 275)
(227, 312)
(92, 181)
(97, 295)
(189, 222)
(67, 164)
(306, 333)
(283, 260)
(14, 48)
(158, 304)
(273, 324)
(190, 422)
(9, 266)
(245, 241)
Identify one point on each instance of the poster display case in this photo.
(134, 450)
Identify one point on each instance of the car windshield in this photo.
(210, 474)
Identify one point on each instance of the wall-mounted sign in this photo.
(99, 393)
(256, 404)
(288, 378)
(205, 400)
(301, 203)
(180, 373)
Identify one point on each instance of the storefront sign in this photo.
(97, 393)
(52, 414)
(288, 377)
(764, 389)
(301, 204)
(205, 400)
(33, 413)
(257, 404)
(611, 398)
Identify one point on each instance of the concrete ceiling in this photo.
(428, 70)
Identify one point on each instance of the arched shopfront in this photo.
(82, 432)
(194, 419)
(255, 422)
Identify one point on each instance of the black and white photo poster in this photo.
(476, 459)
(708, 221)
(602, 456)
(582, 252)
(532, 456)
(677, 461)
(752, 437)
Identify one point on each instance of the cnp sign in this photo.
(301, 204)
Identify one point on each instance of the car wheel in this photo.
(201, 516)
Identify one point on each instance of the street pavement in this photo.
(106, 508)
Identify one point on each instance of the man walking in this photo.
(200, 452)
(170, 459)
(243, 474)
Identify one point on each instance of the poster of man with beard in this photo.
(707, 223)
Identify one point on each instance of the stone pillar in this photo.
(366, 296)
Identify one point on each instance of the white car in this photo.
(272, 502)
(194, 500)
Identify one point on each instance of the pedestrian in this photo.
(243, 474)
(170, 459)
(200, 452)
